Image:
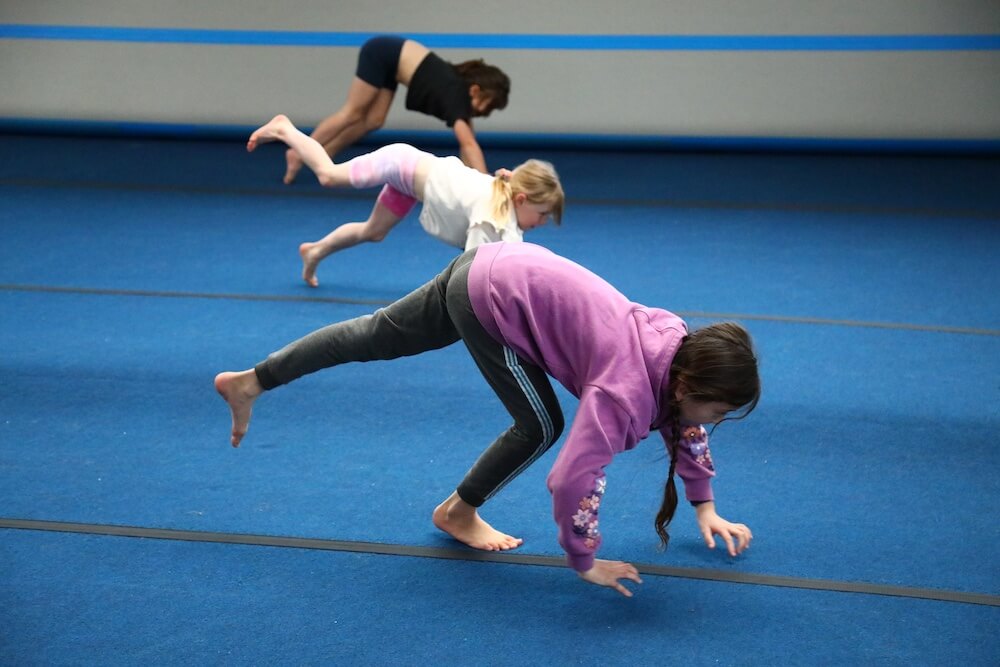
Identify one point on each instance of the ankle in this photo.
(250, 384)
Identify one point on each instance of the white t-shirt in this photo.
(457, 207)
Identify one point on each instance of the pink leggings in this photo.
(392, 166)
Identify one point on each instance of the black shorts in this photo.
(378, 61)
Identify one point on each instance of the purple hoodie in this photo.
(612, 354)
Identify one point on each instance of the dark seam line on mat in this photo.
(11, 287)
(507, 558)
(647, 203)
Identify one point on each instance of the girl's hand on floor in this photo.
(737, 536)
(608, 572)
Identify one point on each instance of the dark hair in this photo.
(716, 363)
(490, 79)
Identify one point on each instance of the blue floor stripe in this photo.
(555, 140)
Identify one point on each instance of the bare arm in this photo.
(468, 147)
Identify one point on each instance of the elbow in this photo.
(561, 490)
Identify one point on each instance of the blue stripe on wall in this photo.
(988, 42)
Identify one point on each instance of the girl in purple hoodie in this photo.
(524, 314)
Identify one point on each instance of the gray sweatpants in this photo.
(429, 318)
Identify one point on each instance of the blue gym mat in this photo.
(134, 270)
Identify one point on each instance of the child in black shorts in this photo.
(454, 93)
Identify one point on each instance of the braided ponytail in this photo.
(669, 504)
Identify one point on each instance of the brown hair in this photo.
(716, 363)
(538, 181)
(491, 80)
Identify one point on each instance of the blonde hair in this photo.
(538, 181)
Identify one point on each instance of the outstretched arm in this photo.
(468, 147)
(280, 128)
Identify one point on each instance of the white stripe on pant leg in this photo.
(537, 405)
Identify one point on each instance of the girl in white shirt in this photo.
(462, 206)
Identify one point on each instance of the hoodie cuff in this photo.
(699, 489)
(580, 563)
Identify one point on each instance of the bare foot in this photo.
(293, 164)
(310, 260)
(239, 390)
(461, 520)
(273, 130)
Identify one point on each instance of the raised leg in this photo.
(280, 128)
(418, 322)
(350, 123)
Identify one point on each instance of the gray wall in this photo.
(920, 94)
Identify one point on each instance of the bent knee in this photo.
(546, 430)
(374, 122)
(351, 113)
(327, 180)
(558, 424)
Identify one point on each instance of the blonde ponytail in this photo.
(539, 183)
(502, 201)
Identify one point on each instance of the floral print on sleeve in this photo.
(585, 519)
(695, 440)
